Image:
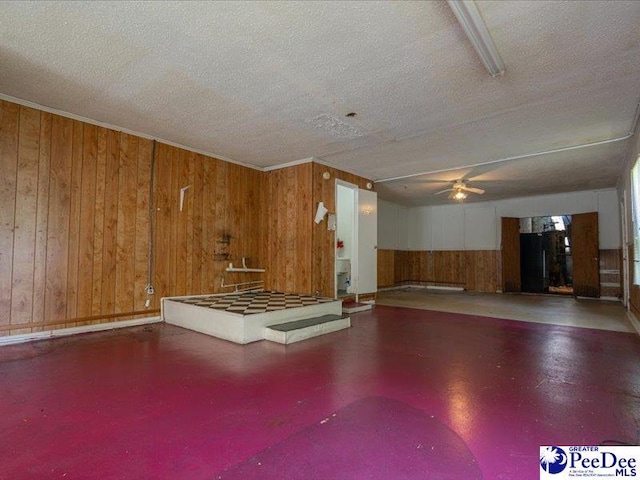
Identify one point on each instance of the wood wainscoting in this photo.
(473, 270)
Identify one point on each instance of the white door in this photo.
(367, 260)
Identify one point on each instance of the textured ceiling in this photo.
(267, 83)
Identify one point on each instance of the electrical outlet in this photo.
(149, 289)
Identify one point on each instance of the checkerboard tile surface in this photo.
(254, 302)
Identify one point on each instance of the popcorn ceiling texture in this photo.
(263, 82)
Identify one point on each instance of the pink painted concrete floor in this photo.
(403, 394)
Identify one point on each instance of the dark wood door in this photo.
(511, 254)
(586, 255)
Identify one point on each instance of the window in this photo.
(635, 212)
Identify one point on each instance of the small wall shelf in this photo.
(244, 267)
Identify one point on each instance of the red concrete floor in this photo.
(403, 394)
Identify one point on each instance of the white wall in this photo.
(392, 226)
(345, 198)
(624, 184)
(476, 226)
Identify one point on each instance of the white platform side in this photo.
(236, 327)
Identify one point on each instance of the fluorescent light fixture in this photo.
(471, 21)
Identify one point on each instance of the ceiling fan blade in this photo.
(445, 190)
(474, 190)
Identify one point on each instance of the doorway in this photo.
(583, 246)
(546, 260)
(345, 238)
(355, 240)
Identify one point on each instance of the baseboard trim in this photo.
(424, 287)
(63, 332)
(635, 323)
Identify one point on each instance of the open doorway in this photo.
(356, 239)
(546, 261)
(345, 238)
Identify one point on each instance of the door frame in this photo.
(354, 236)
(625, 250)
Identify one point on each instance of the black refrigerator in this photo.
(533, 262)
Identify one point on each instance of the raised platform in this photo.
(243, 317)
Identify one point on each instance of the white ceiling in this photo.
(266, 83)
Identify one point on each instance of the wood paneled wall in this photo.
(302, 253)
(386, 268)
(221, 222)
(74, 222)
(474, 270)
(289, 232)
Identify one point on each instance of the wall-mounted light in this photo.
(366, 211)
(369, 185)
(326, 175)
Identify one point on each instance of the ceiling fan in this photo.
(459, 190)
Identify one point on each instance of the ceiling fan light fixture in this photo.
(468, 15)
(459, 196)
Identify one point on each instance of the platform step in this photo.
(298, 330)
(353, 307)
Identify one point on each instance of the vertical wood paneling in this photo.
(212, 251)
(58, 226)
(289, 230)
(385, 268)
(162, 238)
(9, 127)
(181, 169)
(126, 229)
(42, 221)
(86, 252)
(481, 271)
(189, 163)
(25, 217)
(74, 220)
(110, 222)
(220, 221)
(98, 223)
(476, 271)
(401, 267)
(191, 248)
(141, 240)
(198, 253)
